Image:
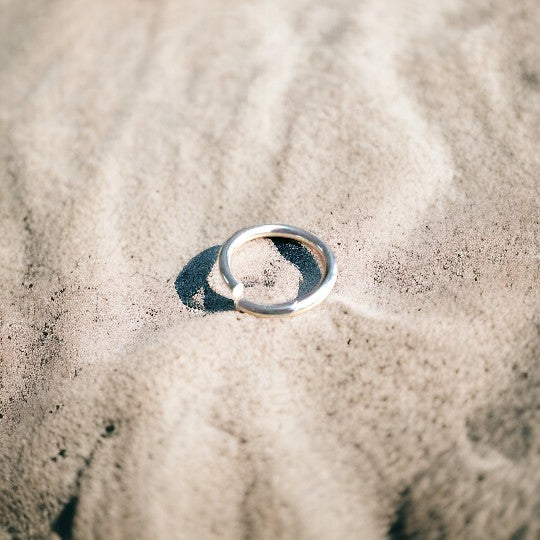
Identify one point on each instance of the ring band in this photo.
(286, 309)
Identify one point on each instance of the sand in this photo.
(134, 136)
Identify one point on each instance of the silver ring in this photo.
(286, 309)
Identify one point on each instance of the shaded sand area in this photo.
(135, 136)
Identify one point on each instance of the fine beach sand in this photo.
(134, 135)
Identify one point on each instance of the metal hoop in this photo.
(286, 309)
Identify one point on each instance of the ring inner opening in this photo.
(276, 270)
